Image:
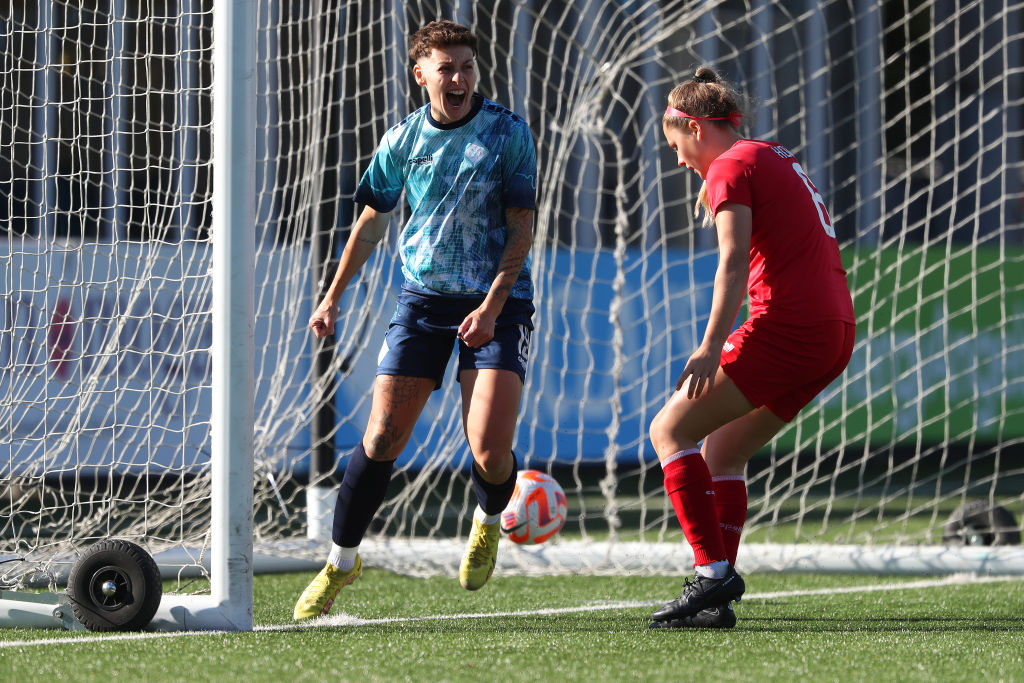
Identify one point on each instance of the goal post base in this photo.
(37, 610)
(176, 613)
(200, 613)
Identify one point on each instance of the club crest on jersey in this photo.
(475, 153)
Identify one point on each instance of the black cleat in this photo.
(702, 593)
(712, 617)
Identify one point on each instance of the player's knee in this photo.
(670, 435)
(494, 463)
(657, 433)
(724, 464)
(382, 447)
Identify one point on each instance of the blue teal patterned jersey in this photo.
(458, 179)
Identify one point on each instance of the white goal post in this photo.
(158, 265)
(228, 605)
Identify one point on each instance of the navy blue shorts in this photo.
(424, 331)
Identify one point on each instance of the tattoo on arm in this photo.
(518, 243)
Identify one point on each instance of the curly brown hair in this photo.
(439, 34)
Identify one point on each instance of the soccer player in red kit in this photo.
(738, 389)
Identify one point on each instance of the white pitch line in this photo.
(343, 620)
(953, 579)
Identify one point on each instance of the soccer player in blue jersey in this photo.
(468, 169)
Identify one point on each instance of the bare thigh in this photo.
(728, 448)
(684, 421)
(397, 404)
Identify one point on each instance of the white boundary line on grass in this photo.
(347, 620)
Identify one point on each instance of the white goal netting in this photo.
(908, 115)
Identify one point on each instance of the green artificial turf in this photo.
(392, 628)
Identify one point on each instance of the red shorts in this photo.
(783, 366)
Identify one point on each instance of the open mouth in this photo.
(455, 98)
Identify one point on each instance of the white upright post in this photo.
(229, 605)
(234, 187)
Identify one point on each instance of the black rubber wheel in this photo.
(115, 586)
(981, 523)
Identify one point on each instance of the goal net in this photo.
(907, 114)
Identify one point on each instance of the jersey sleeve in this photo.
(382, 182)
(519, 169)
(728, 181)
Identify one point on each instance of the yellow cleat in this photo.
(481, 554)
(319, 595)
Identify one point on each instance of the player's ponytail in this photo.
(703, 203)
(705, 97)
(705, 74)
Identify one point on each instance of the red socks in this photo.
(731, 506)
(689, 487)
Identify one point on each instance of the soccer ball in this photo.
(537, 509)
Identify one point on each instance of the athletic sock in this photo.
(493, 498)
(484, 518)
(360, 495)
(688, 485)
(342, 558)
(731, 505)
(715, 570)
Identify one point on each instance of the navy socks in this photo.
(365, 485)
(493, 498)
(361, 494)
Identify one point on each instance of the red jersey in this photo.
(796, 274)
